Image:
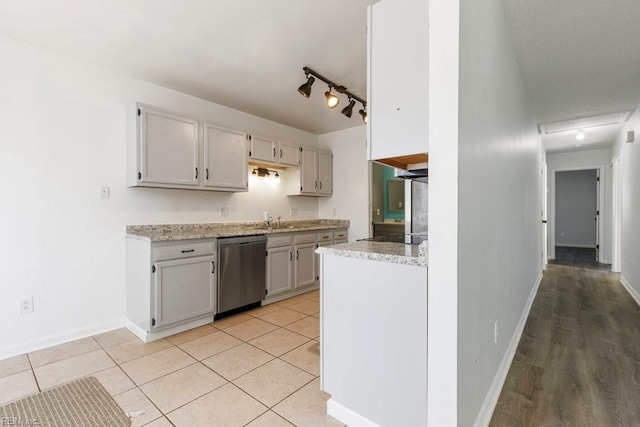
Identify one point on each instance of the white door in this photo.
(325, 173)
(279, 271)
(305, 264)
(168, 145)
(597, 218)
(289, 154)
(225, 158)
(184, 290)
(309, 171)
(545, 192)
(262, 149)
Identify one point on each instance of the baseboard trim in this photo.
(633, 292)
(347, 416)
(489, 405)
(39, 344)
(569, 245)
(149, 337)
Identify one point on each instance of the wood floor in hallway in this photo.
(578, 361)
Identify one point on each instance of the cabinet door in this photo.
(325, 173)
(225, 158)
(309, 171)
(263, 149)
(279, 272)
(398, 110)
(184, 290)
(305, 265)
(168, 148)
(319, 245)
(289, 154)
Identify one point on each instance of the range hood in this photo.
(412, 174)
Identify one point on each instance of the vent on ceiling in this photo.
(583, 123)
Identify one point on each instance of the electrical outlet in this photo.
(104, 192)
(496, 331)
(26, 305)
(224, 211)
(294, 211)
(377, 211)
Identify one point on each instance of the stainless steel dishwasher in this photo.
(241, 273)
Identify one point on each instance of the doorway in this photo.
(577, 216)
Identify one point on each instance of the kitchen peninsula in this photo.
(374, 332)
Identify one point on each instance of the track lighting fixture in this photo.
(332, 99)
(348, 110)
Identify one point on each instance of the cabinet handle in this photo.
(281, 153)
(315, 184)
(290, 256)
(196, 173)
(321, 185)
(297, 254)
(187, 251)
(206, 171)
(274, 152)
(213, 267)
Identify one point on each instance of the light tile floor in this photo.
(259, 368)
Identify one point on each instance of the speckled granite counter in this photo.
(170, 232)
(398, 253)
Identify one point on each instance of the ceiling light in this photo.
(363, 114)
(584, 123)
(348, 110)
(580, 135)
(332, 99)
(265, 174)
(305, 88)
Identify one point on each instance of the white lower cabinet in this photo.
(170, 285)
(305, 265)
(279, 271)
(184, 289)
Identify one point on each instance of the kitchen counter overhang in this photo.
(391, 252)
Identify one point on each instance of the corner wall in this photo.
(499, 211)
(63, 136)
(630, 180)
(350, 198)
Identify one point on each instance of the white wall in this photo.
(577, 160)
(350, 198)
(576, 205)
(62, 136)
(500, 202)
(630, 177)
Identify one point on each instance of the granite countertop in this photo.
(397, 253)
(171, 232)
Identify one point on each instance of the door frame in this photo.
(616, 214)
(551, 220)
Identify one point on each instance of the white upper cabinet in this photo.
(262, 149)
(398, 86)
(325, 173)
(225, 159)
(289, 154)
(168, 148)
(309, 171)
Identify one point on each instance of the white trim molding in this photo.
(347, 416)
(489, 405)
(630, 289)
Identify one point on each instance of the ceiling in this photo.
(245, 54)
(579, 58)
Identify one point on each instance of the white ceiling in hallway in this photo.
(245, 54)
(579, 58)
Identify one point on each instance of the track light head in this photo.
(332, 100)
(363, 114)
(305, 88)
(348, 110)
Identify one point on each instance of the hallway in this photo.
(578, 361)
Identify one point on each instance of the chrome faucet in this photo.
(279, 223)
(268, 221)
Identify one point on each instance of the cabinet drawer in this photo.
(324, 236)
(338, 241)
(183, 250)
(340, 235)
(277, 241)
(306, 238)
